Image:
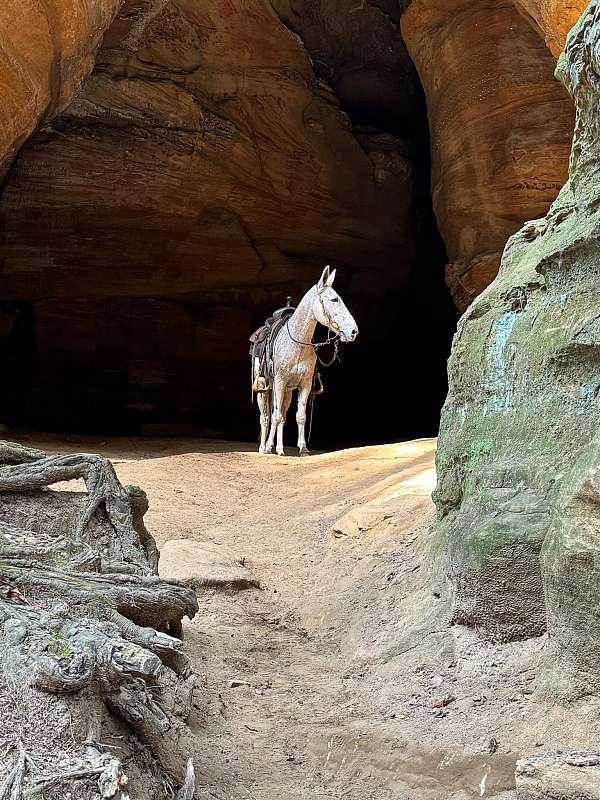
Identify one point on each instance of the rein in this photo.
(331, 339)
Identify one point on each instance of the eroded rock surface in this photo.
(518, 488)
(46, 50)
(204, 565)
(204, 172)
(500, 127)
(356, 48)
(553, 18)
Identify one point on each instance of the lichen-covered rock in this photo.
(559, 776)
(518, 489)
(500, 128)
(46, 50)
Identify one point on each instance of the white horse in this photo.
(294, 360)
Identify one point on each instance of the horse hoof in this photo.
(303, 452)
(281, 452)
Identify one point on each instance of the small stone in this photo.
(235, 683)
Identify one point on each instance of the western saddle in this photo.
(262, 342)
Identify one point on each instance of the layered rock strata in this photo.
(518, 486)
(500, 125)
(203, 173)
(46, 50)
(553, 18)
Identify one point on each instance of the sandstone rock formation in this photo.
(84, 616)
(204, 565)
(46, 50)
(553, 18)
(202, 174)
(518, 486)
(358, 52)
(500, 125)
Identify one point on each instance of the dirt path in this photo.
(342, 653)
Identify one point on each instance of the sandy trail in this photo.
(276, 738)
(345, 648)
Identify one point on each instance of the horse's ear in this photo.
(331, 278)
(323, 279)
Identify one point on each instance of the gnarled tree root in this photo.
(86, 616)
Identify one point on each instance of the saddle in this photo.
(262, 342)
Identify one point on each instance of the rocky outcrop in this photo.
(46, 50)
(518, 486)
(202, 174)
(500, 126)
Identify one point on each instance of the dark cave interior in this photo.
(390, 384)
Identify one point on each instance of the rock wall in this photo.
(553, 18)
(359, 53)
(204, 172)
(518, 487)
(46, 50)
(500, 125)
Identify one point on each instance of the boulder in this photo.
(204, 565)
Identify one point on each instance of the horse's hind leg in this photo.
(264, 405)
(278, 396)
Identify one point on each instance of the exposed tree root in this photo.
(83, 611)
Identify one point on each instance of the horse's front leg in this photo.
(303, 398)
(287, 399)
(279, 388)
(264, 405)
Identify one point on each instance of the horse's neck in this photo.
(302, 323)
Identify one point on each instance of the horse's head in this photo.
(330, 310)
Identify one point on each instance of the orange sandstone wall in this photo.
(553, 18)
(501, 125)
(47, 48)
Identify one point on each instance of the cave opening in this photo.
(123, 350)
(393, 379)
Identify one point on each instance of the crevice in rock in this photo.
(426, 315)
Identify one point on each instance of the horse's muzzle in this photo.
(349, 337)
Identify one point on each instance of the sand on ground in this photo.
(323, 682)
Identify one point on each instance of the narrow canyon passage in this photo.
(324, 682)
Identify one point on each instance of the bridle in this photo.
(331, 339)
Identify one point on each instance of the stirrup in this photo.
(318, 388)
(259, 387)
